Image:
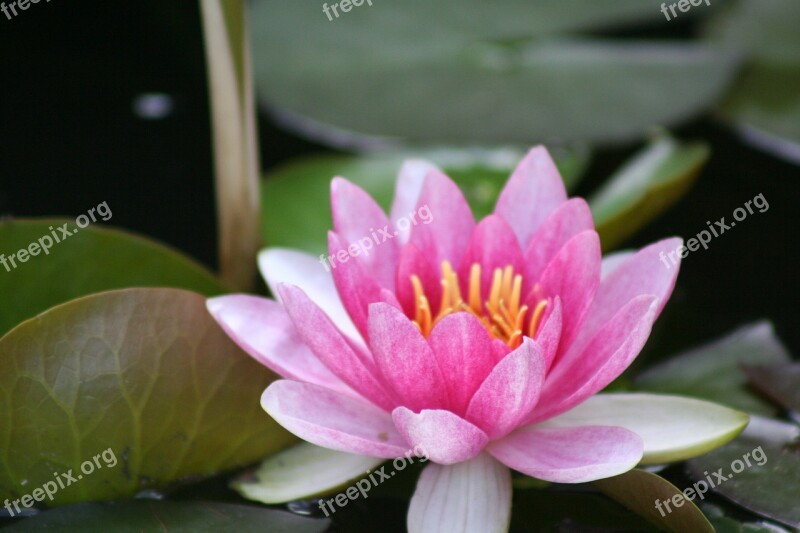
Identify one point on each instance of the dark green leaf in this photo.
(712, 372)
(145, 375)
(779, 382)
(92, 260)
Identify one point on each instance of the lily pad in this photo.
(656, 499)
(712, 372)
(125, 391)
(89, 260)
(302, 222)
(649, 183)
(779, 382)
(765, 99)
(464, 73)
(175, 517)
(759, 476)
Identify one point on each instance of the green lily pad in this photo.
(649, 183)
(712, 372)
(301, 222)
(760, 476)
(657, 500)
(90, 260)
(463, 73)
(131, 389)
(145, 516)
(765, 99)
(779, 382)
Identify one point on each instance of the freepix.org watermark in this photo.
(682, 5)
(344, 5)
(714, 230)
(10, 10)
(61, 481)
(364, 485)
(737, 466)
(377, 237)
(57, 235)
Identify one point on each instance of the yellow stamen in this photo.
(501, 314)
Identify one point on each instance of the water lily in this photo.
(485, 344)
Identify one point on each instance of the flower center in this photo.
(501, 314)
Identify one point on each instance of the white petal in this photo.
(303, 471)
(279, 265)
(469, 497)
(673, 428)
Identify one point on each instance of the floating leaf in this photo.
(468, 73)
(765, 100)
(649, 183)
(712, 371)
(547, 510)
(302, 222)
(92, 259)
(759, 476)
(779, 382)
(657, 500)
(175, 517)
(144, 373)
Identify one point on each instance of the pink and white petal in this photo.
(582, 373)
(464, 351)
(356, 217)
(443, 437)
(493, 246)
(501, 349)
(348, 362)
(280, 265)
(549, 333)
(510, 391)
(573, 275)
(470, 497)
(413, 262)
(355, 285)
(331, 420)
(570, 454)
(569, 219)
(612, 261)
(642, 273)
(408, 189)
(447, 236)
(534, 190)
(262, 328)
(405, 359)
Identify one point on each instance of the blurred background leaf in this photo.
(475, 73)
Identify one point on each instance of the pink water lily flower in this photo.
(484, 344)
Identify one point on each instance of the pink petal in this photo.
(533, 191)
(643, 273)
(612, 261)
(493, 246)
(447, 237)
(469, 497)
(569, 219)
(347, 362)
(549, 334)
(446, 438)
(408, 189)
(302, 270)
(510, 391)
(331, 420)
(358, 220)
(413, 262)
(573, 275)
(582, 373)
(404, 358)
(570, 455)
(464, 351)
(354, 283)
(262, 328)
